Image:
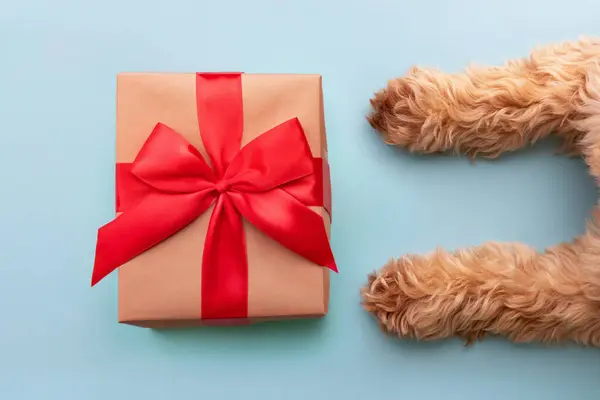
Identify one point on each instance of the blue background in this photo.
(59, 339)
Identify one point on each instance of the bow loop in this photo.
(275, 158)
(169, 163)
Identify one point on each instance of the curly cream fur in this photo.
(496, 288)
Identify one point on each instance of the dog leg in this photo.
(487, 110)
(498, 289)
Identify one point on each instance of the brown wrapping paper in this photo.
(161, 287)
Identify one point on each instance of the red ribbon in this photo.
(270, 182)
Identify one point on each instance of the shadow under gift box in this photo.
(162, 286)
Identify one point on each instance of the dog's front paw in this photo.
(397, 115)
(407, 298)
(412, 112)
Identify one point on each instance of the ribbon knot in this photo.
(170, 185)
(222, 186)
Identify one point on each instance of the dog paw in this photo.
(400, 114)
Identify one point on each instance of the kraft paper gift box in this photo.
(223, 199)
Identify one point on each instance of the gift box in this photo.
(223, 199)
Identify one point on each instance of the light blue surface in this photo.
(59, 339)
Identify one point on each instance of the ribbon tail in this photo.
(313, 189)
(286, 220)
(143, 226)
(224, 265)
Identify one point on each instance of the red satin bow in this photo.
(269, 182)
